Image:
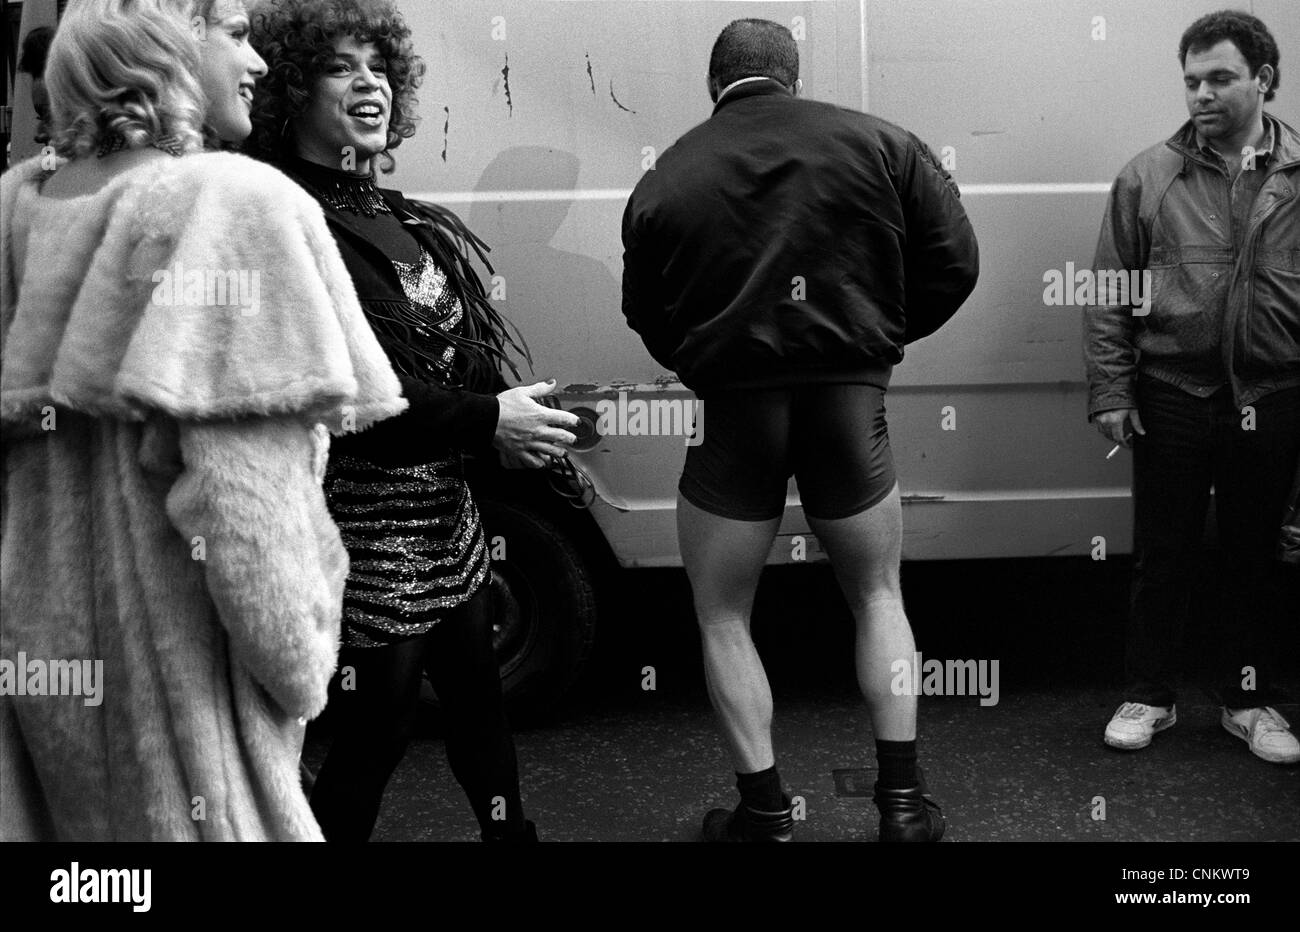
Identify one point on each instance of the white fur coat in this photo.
(163, 451)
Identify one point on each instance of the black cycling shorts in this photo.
(832, 438)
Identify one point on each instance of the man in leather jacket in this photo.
(1201, 375)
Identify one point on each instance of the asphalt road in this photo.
(619, 761)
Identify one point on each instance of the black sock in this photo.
(761, 790)
(897, 761)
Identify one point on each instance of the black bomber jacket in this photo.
(785, 241)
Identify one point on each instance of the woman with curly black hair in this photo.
(338, 96)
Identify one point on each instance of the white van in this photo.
(540, 116)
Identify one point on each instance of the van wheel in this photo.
(544, 609)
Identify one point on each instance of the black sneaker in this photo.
(746, 824)
(910, 814)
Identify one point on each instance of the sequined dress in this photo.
(413, 532)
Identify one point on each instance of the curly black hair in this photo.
(296, 38)
(1248, 33)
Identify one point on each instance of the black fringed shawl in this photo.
(488, 336)
(486, 339)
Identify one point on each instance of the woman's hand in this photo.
(529, 433)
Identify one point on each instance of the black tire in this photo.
(544, 604)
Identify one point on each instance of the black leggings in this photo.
(373, 722)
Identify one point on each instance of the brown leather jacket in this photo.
(1169, 214)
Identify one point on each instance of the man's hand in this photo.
(1120, 425)
(529, 433)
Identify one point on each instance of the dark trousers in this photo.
(1191, 445)
(373, 723)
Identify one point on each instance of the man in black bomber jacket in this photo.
(779, 257)
(773, 188)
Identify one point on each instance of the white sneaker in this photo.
(1133, 724)
(1267, 733)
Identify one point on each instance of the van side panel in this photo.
(540, 116)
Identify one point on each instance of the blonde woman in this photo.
(178, 334)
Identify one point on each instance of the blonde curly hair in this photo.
(128, 67)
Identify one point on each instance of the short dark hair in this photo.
(750, 48)
(35, 49)
(1246, 32)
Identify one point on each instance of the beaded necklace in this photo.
(342, 190)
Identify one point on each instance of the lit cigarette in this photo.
(1113, 451)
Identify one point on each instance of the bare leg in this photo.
(865, 550)
(723, 560)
